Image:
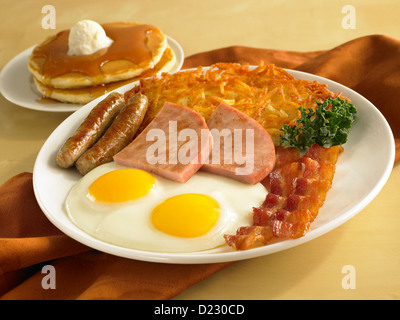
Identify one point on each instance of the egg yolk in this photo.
(121, 185)
(186, 215)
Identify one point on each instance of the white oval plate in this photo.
(361, 172)
(17, 85)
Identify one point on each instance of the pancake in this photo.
(86, 94)
(136, 48)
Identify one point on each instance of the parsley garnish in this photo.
(325, 127)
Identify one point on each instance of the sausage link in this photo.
(118, 135)
(90, 130)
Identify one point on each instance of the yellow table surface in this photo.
(369, 242)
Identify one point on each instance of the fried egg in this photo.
(134, 209)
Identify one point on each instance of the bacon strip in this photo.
(297, 190)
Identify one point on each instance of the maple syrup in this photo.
(130, 43)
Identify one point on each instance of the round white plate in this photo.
(361, 172)
(17, 85)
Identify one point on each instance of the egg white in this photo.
(129, 224)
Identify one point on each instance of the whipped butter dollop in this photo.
(87, 37)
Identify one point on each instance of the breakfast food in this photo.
(253, 155)
(173, 157)
(87, 37)
(156, 195)
(82, 63)
(90, 130)
(117, 136)
(266, 93)
(297, 188)
(164, 215)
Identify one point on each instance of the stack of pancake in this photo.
(138, 50)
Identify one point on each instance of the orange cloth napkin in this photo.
(28, 241)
